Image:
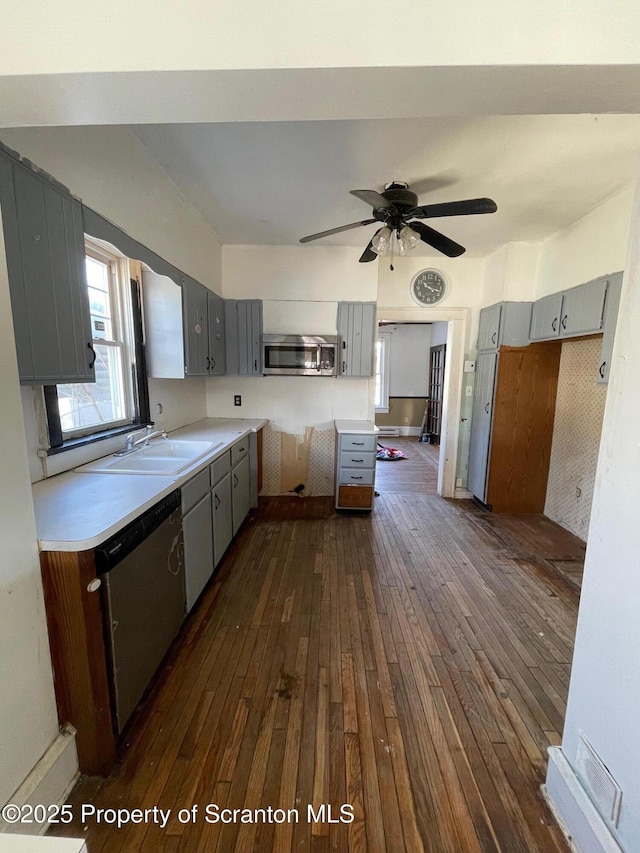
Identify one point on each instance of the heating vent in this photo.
(605, 792)
(384, 430)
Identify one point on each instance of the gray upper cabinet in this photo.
(217, 353)
(506, 323)
(44, 244)
(182, 324)
(356, 338)
(545, 318)
(243, 335)
(573, 312)
(610, 319)
(195, 314)
(583, 308)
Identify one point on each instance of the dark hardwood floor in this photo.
(412, 663)
(417, 474)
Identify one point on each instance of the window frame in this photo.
(127, 331)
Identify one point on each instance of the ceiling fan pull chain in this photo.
(392, 241)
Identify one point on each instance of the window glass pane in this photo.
(97, 403)
(97, 274)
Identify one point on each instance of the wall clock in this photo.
(428, 287)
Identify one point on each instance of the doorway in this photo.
(433, 425)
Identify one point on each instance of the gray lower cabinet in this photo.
(44, 244)
(355, 469)
(481, 424)
(240, 492)
(243, 334)
(222, 517)
(197, 528)
(357, 335)
(610, 319)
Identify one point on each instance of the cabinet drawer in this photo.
(194, 490)
(219, 468)
(239, 450)
(357, 476)
(358, 442)
(355, 497)
(357, 459)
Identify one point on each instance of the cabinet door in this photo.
(481, 425)
(243, 331)
(45, 252)
(545, 318)
(222, 517)
(356, 338)
(489, 328)
(612, 304)
(217, 356)
(198, 549)
(196, 338)
(240, 492)
(583, 308)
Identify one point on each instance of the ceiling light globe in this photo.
(381, 241)
(408, 239)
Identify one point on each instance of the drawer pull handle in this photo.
(217, 501)
(357, 460)
(601, 369)
(554, 324)
(235, 480)
(358, 443)
(486, 408)
(353, 477)
(493, 337)
(563, 322)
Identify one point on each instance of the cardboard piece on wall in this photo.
(295, 451)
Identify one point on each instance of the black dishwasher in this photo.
(142, 570)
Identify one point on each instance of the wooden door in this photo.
(437, 357)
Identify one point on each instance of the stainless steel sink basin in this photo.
(162, 456)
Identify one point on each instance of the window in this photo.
(118, 397)
(383, 345)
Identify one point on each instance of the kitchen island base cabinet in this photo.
(355, 464)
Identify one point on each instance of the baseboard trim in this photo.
(399, 430)
(577, 817)
(461, 494)
(49, 783)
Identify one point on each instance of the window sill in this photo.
(73, 443)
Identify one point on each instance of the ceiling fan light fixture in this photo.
(407, 239)
(381, 241)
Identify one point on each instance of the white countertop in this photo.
(11, 843)
(76, 511)
(357, 427)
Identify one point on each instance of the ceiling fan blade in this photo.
(368, 254)
(371, 197)
(466, 207)
(336, 230)
(437, 240)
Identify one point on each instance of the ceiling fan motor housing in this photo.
(399, 194)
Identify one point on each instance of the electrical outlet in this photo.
(406, 420)
(237, 400)
(159, 408)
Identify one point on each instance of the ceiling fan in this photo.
(398, 210)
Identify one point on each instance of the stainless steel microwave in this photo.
(299, 355)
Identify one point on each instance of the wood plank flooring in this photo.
(412, 663)
(417, 474)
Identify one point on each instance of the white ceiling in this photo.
(274, 182)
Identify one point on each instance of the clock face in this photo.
(428, 287)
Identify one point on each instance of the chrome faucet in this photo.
(132, 443)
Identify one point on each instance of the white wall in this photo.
(511, 273)
(591, 246)
(604, 693)
(28, 717)
(409, 359)
(577, 428)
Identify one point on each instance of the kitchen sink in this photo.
(163, 456)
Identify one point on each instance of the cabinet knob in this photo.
(36, 238)
(94, 585)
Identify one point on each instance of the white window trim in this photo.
(385, 338)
